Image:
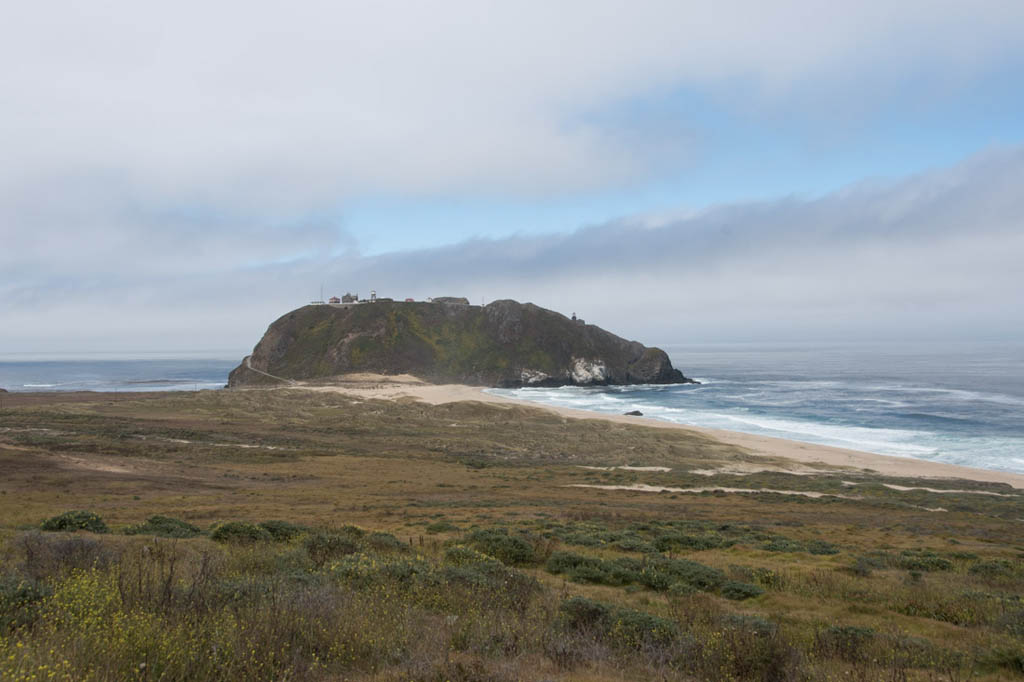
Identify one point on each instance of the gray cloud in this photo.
(274, 107)
(936, 255)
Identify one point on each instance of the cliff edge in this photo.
(502, 344)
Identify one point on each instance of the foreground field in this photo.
(399, 540)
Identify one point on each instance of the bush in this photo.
(783, 545)
(240, 532)
(671, 541)
(282, 531)
(1012, 623)
(618, 626)
(165, 527)
(322, 547)
(740, 591)
(821, 547)
(847, 642)
(582, 613)
(441, 527)
(499, 544)
(995, 568)
(918, 560)
(385, 542)
(76, 520)
(634, 544)
(660, 574)
(19, 602)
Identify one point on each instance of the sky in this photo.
(176, 177)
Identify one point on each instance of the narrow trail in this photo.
(248, 365)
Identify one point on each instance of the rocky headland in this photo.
(503, 344)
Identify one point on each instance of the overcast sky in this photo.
(175, 177)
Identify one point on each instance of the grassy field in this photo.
(307, 535)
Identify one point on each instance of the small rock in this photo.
(634, 413)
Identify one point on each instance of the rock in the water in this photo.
(505, 343)
(634, 413)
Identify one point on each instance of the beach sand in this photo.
(806, 458)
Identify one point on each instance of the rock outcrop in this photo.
(503, 344)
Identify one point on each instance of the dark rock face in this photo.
(634, 413)
(504, 344)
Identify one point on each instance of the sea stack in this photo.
(503, 344)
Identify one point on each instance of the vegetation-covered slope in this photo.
(305, 535)
(502, 344)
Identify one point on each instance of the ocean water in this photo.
(141, 372)
(954, 403)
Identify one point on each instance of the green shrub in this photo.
(584, 569)
(847, 642)
(76, 520)
(582, 613)
(441, 527)
(783, 545)
(661, 573)
(821, 547)
(322, 547)
(675, 541)
(563, 562)
(921, 560)
(994, 568)
(621, 627)
(1012, 623)
(740, 591)
(240, 532)
(634, 544)
(499, 544)
(384, 542)
(165, 527)
(19, 602)
(282, 531)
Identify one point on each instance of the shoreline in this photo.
(808, 458)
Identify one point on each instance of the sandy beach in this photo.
(806, 457)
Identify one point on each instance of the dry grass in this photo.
(429, 475)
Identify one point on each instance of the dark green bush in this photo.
(282, 531)
(821, 547)
(1012, 622)
(165, 527)
(660, 573)
(920, 560)
(499, 544)
(783, 545)
(441, 527)
(620, 627)
(19, 601)
(384, 542)
(677, 541)
(582, 613)
(848, 642)
(75, 520)
(322, 547)
(240, 532)
(740, 591)
(634, 544)
(994, 568)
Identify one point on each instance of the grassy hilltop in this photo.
(287, 534)
(504, 343)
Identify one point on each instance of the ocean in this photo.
(116, 372)
(955, 403)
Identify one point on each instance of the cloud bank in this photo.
(933, 256)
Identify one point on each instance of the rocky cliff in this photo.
(505, 343)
